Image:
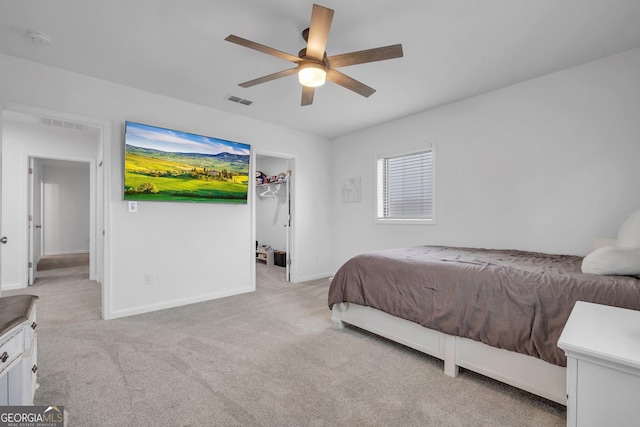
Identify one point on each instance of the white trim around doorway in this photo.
(293, 276)
(100, 176)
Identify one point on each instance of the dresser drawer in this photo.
(11, 349)
(34, 370)
(30, 332)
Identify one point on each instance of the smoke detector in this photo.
(40, 38)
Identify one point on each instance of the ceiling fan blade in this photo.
(270, 77)
(321, 18)
(262, 48)
(350, 83)
(307, 95)
(368, 55)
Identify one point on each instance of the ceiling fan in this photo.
(313, 64)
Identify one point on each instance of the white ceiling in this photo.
(453, 49)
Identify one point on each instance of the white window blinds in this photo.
(405, 187)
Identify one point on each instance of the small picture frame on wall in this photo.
(351, 190)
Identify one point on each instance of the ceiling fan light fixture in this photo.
(314, 67)
(312, 74)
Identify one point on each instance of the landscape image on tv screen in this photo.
(168, 165)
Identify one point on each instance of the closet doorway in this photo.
(274, 216)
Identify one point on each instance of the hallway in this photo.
(63, 285)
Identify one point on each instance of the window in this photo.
(405, 188)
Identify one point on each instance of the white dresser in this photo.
(602, 345)
(18, 350)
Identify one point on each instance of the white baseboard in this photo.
(176, 303)
(81, 251)
(313, 277)
(13, 286)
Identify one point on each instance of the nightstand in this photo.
(602, 345)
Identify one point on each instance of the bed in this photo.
(496, 312)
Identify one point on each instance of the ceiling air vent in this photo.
(238, 100)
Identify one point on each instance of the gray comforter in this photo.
(508, 299)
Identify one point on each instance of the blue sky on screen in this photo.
(173, 141)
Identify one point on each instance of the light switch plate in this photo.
(133, 206)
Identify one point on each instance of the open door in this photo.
(287, 274)
(32, 266)
(34, 198)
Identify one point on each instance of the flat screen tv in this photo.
(173, 166)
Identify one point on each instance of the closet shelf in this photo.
(263, 179)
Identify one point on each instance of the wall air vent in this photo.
(62, 124)
(238, 100)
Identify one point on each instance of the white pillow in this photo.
(613, 260)
(629, 233)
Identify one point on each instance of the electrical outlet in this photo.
(148, 278)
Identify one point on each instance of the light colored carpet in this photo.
(51, 262)
(268, 358)
(66, 293)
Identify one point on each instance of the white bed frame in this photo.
(525, 372)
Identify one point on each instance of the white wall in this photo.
(545, 165)
(66, 209)
(195, 251)
(21, 140)
(271, 213)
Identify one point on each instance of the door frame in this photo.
(291, 248)
(100, 172)
(94, 261)
(31, 196)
